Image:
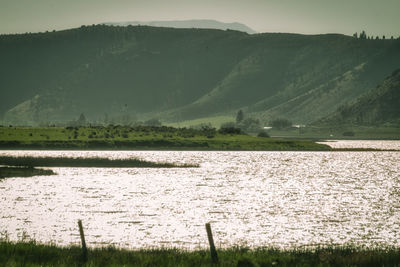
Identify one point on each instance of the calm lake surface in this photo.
(280, 199)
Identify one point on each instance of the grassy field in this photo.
(32, 254)
(141, 137)
(6, 172)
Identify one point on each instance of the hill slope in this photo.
(177, 74)
(380, 106)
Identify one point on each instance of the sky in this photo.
(376, 17)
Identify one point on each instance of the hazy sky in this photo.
(376, 17)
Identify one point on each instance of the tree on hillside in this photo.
(239, 116)
(263, 133)
(229, 128)
(281, 123)
(81, 120)
(363, 35)
(251, 125)
(153, 122)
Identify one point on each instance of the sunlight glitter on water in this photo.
(381, 144)
(281, 199)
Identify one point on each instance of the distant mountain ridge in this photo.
(194, 23)
(119, 74)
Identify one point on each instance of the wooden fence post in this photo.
(214, 255)
(84, 248)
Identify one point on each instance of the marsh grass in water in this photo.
(87, 162)
(6, 172)
(33, 254)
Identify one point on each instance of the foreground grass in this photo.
(6, 172)
(33, 254)
(118, 137)
(87, 162)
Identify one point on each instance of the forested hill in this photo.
(177, 74)
(380, 106)
(194, 23)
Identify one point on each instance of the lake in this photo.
(254, 199)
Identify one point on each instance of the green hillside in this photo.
(378, 107)
(122, 74)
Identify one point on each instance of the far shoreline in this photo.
(148, 138)
(175, 149)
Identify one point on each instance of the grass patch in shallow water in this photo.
(6, 172)
(87, 162)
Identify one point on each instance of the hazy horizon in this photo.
(306, 17)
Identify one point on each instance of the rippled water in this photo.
(381, 144)
(281, 199)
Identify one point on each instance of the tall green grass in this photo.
(33, 254)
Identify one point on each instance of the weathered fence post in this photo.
(84, 248)
(214, 255)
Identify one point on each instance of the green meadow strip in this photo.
(142, 138)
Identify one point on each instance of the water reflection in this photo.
(281, 199)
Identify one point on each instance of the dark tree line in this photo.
(363, 36)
